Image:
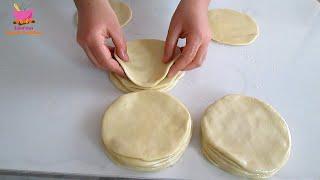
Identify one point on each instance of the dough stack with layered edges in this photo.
(245, 136)
(146, 130)
(145, 69)
(232, 27)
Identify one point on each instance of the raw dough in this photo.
(245, 136)
(116, 82)
(146, 130)
(122, 11)
(145, 67)
(137, 164)
(164, 83)
(232, 27)
(127, 86)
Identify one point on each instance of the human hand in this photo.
(96, 23)
(189, 21)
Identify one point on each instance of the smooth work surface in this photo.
(52, 98)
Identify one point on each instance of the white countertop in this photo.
(52, 99)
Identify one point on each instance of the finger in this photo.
(198, 60)
(171, 43)
(111, 49)
(120, 43)
(91, 57)
(188, 54)
(103, 57)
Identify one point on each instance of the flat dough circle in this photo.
(146, 125)
(232, 27)
(145, 67)
(248, 132)
(122, 11)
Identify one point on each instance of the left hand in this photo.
(189, 21)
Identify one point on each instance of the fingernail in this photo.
(124, 55)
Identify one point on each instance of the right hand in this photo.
(189, 21)
(97, 22)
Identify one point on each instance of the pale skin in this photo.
(98, 22)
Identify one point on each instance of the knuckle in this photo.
(104, 64)
(201, 37)
(109, 66)
(174, 23)
(170, 43)
(122, 43)
(87, 38)
(105, 67)
(198, 37)
(115, 27)
(186, 57)
(112, 69)
(205, 38)
(188, 54)
(175, 67)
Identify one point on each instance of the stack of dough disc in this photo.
(146, 130)
(232, 27)
(126, 85)
(244, 136)
(122, 11)
(145, 69)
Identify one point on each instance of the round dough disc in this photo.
(145, 67)
(146, 125)
(248, 132)
(122, 11)
(232, 27)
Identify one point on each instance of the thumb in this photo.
(120, 44)
(170, 44)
